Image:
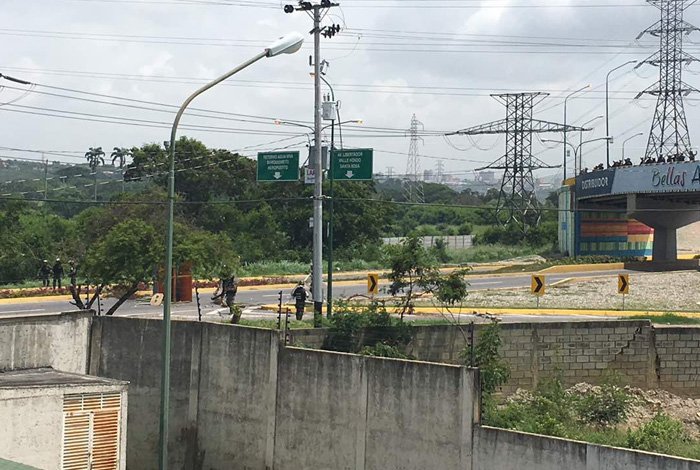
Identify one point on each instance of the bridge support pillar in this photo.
(665, 244)
(665, 217)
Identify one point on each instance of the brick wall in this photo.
(641, 355)
(679, 358)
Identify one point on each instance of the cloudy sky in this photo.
(103, 70)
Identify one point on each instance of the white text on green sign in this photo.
(278, 166)
(353, 165)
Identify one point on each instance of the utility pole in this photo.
(46, 176)
(315, 11)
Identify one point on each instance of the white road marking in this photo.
(23, 311)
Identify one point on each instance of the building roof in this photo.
(47, 377)
(7, 465)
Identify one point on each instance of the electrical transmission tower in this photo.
(516, 200)
(439, 178)
(669, 129)
(413, 184)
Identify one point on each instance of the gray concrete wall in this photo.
(129, 349)
(345, 411)
(58, 341)
(508, 450)
(31, 428)
(238, 401)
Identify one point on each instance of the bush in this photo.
(354, 327)
(662, 434)
(384, 350)
(494, 371)
(607, 406)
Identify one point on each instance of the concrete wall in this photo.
(31, 428)
(239, 402)
(58, 341)
(237, 393)
(129, 349)
(642, 355)
(452, 242)
(345, 411)
(508, 450)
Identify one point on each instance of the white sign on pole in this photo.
(309, 176)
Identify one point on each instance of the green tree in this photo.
(125, 256)
(410, 265)
(95, 157)
(120, 154)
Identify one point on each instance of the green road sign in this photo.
(278, 166)
(352, 165)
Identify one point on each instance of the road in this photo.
(252, 297)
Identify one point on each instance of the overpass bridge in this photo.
(613, 211)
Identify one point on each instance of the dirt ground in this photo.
(689, 238)
(647, 403)
(667, 292)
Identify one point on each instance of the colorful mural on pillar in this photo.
(612, 234)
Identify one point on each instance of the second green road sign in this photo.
(278, 166)
(352, 165)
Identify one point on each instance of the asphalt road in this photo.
(256, 297)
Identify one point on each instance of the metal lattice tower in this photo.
(669, 129)
(413, 184)
(516, 201)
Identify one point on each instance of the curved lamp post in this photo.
(627, 140)
(565, 139)
(577, 171)
(288, 44)
(607, 109)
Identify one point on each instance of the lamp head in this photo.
(288, 44)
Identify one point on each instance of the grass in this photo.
(595, 417)
(489, 253)
(286, 268)
(668, 319)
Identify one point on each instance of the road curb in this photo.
(582, 268)
(524, 311)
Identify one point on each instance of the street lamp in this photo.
(288, 44)
(607, 108)
(573, 210)
(580, 139)
(577, 148)
(280, 122)
(565, 142)
(329, 299)
(627, 140)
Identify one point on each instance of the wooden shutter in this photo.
(91, 431)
